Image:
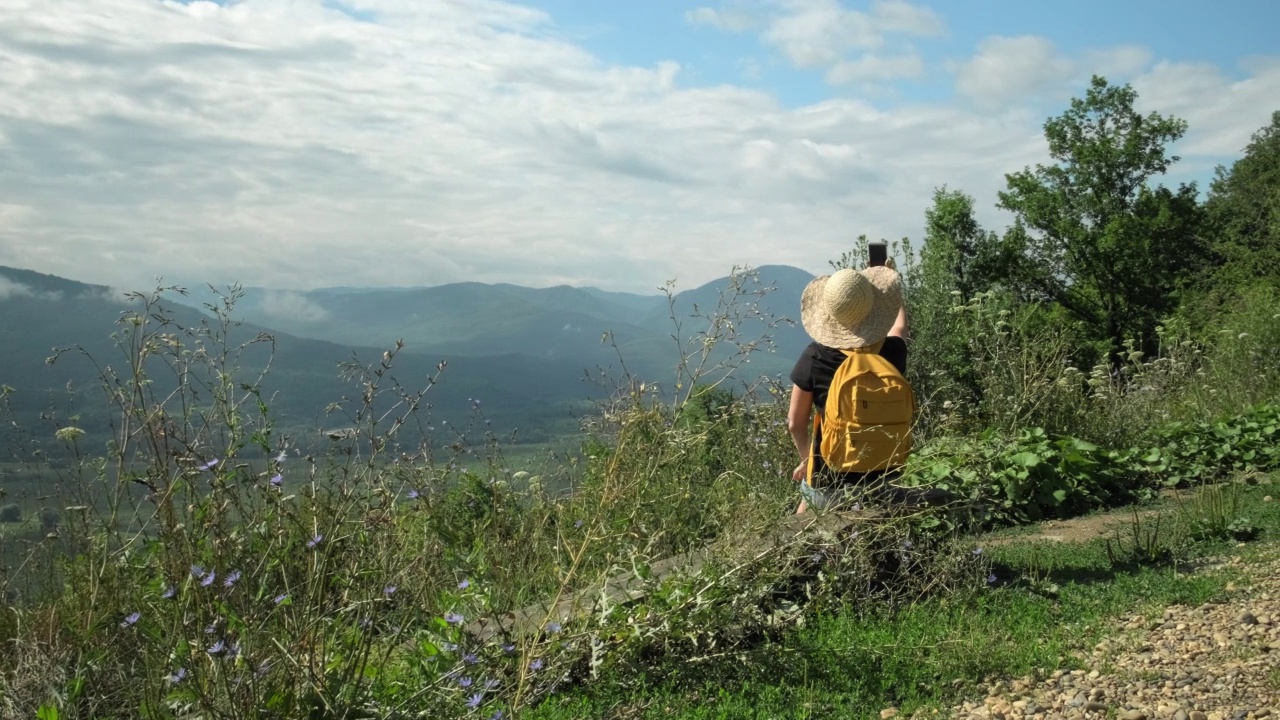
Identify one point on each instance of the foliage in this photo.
(1091, 234)
(1032, 476)
(1190, 452)
(1243, 213)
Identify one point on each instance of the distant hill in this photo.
(523, 351)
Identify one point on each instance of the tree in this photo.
(950, 272)
(1243, 212)
(1091, 234)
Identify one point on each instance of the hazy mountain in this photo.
(522, 351)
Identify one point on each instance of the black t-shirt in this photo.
(817, 366)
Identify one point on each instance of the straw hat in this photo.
(851, 309)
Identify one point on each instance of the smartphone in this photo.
(877, 253)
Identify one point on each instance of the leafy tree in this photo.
(1243, 212)
(1091, 233)
(953, 267)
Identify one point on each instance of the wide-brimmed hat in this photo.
(851, 308)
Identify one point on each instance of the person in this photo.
(848, 310)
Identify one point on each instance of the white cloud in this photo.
(9, 289)
(1007, 69)
(898, 16)
(14, 289)
(1117, 64)
(292, 306)
(280, 143)
(875, 68)
(730, 18)
(1221, 113)
(821, 34)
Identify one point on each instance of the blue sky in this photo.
(311, 143)
(645, 33)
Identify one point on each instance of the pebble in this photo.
(1210, 662)
(887, 713)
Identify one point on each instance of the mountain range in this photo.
(529, 354)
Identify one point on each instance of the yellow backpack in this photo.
(866, 422)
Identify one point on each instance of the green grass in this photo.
(855, 662)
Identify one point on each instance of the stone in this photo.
(1133, 715)
(1247, 618)
(887, 713)
(1197, 715)
(1095, 706)
(1181, 715)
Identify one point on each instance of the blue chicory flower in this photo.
(208, 465)
(208, 579)
(977, 551)
(536, 664)
(464, 681)
(389, 590)
(470, 659)
(315, 540)
(131, 619)
(453, 618)
(991, 579)
(217, 648)
(474, 701)
(554, 627)
(277, 480)
(169, 592)
(231, 578)
(464, 584)
(279, 598)
(178, 676)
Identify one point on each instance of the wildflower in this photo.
(196, 571)
(315, 540)
(553, 627)
(464, 584)
(68, 434)
(497, 715)
(389, 590)
(178, 676)
(232, 578)
(536, 665)
(977, 551)
(262, 669)
(464, 681)
(413, 495)
(131, 619)
(448, 647)
(991, 579)
(233, 651)
(208, 465)
(280, 458)
(169, 592)
(453, 618)
(474, 701)
(577, 524)
(906, 545)
(470, 659)
(277, 480)
(208, 579)
(279, 598)
(490, 684)
(217, 648)
(211, 628)
(508, 648)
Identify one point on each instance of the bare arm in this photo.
(900, 328)
(798, 424)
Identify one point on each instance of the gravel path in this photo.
(1214, 662)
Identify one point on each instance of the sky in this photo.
(302, 144)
